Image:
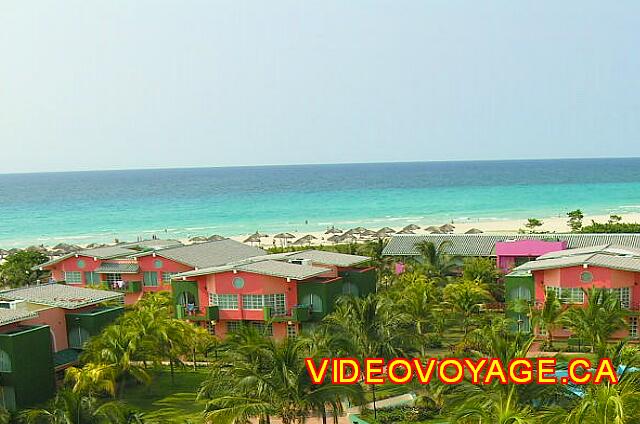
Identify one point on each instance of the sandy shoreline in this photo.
(554, 224)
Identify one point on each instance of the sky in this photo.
(151, 84)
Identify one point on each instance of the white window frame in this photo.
(224, 301)
(77, 274)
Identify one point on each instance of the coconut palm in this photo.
(92, 379)
(548, 317)
(598, 320)
(435, 261)
(277, 384)
(466, 298)
(68, 407)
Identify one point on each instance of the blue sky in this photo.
(114, 84)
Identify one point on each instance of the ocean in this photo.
(82, 207)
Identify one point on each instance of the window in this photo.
(211, 328)
(314, 301)
(233, 326)
(262, 327)
(112, 278)
(521, 260)
(633, 327)
(252, 301)
(350, 289)
(166, 277)
(73, 277)
(586, 277)
(238, 282)
(520, 293)
(276, 302)
(292, 331)
(80, 263)
(223, 301)
(150, 279)
(624, 295)
(92, 278)
(157, 263)
(5, 361)
(568, 295)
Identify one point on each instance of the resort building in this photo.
(136, 268)
(568, 272)
(281, 293)
(509, 251)
(42, 331)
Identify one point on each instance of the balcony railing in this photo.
(126, 287)
(210, 313)
(298, 313)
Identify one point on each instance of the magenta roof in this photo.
(528, 247)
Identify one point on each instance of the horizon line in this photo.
(169, 168)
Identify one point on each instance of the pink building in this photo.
(137, 268)
(569, 272)
(513, 253)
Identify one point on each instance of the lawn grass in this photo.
(164, 402)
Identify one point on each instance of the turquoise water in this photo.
(82, 207)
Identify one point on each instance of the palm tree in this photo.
(268, 379)
(466, 299)
(92, 379)
(548, 317)
(68, 407)
(484, 271)
(598, 320)
(435, 261)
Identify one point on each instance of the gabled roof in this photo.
(605, 256)
(209, 254)
(9, 316)
(329, 258)
(484, 244)
(109, 252)
(283, 269)
(60, 295)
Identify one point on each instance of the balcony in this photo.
(298, 313)
(128, 287)
(210, 313)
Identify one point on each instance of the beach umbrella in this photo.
(447, 228)
(474, 231)
(198, 239)
(358, 230)
(336, 238)
(304, 240)
(39, 248)
(350, 238)
(216, 237)
(388, 230)
(284, 237)
(382, 234)
(253, 238)
(368, 233)
(333, 230)
(411, 227)
(405, 231)
(260, 235)
(3, 253)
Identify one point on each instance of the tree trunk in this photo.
(375, 410)
(172, 373)
(194, 359)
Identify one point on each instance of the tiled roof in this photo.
(9, 316)
(153, 244)
(484, 244)
(329, 258)
(109, 252)
(60, 295)
(606, 256)
(283, 269)
(210, 254)
(118, 268)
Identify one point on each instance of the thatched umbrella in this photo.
(198, 239)
(405, 231)
(447, 228)
(253, 238)
(304, 240)
(284, 237)
(382, 234)
(358, 230)
(3, 253)
(411, 227)
(349, 238)
(216, 237)
(474, 231)
(260, 235)
(333, 230)
(431, 228)
(388, 230)
(368, 233)
(336, 238)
